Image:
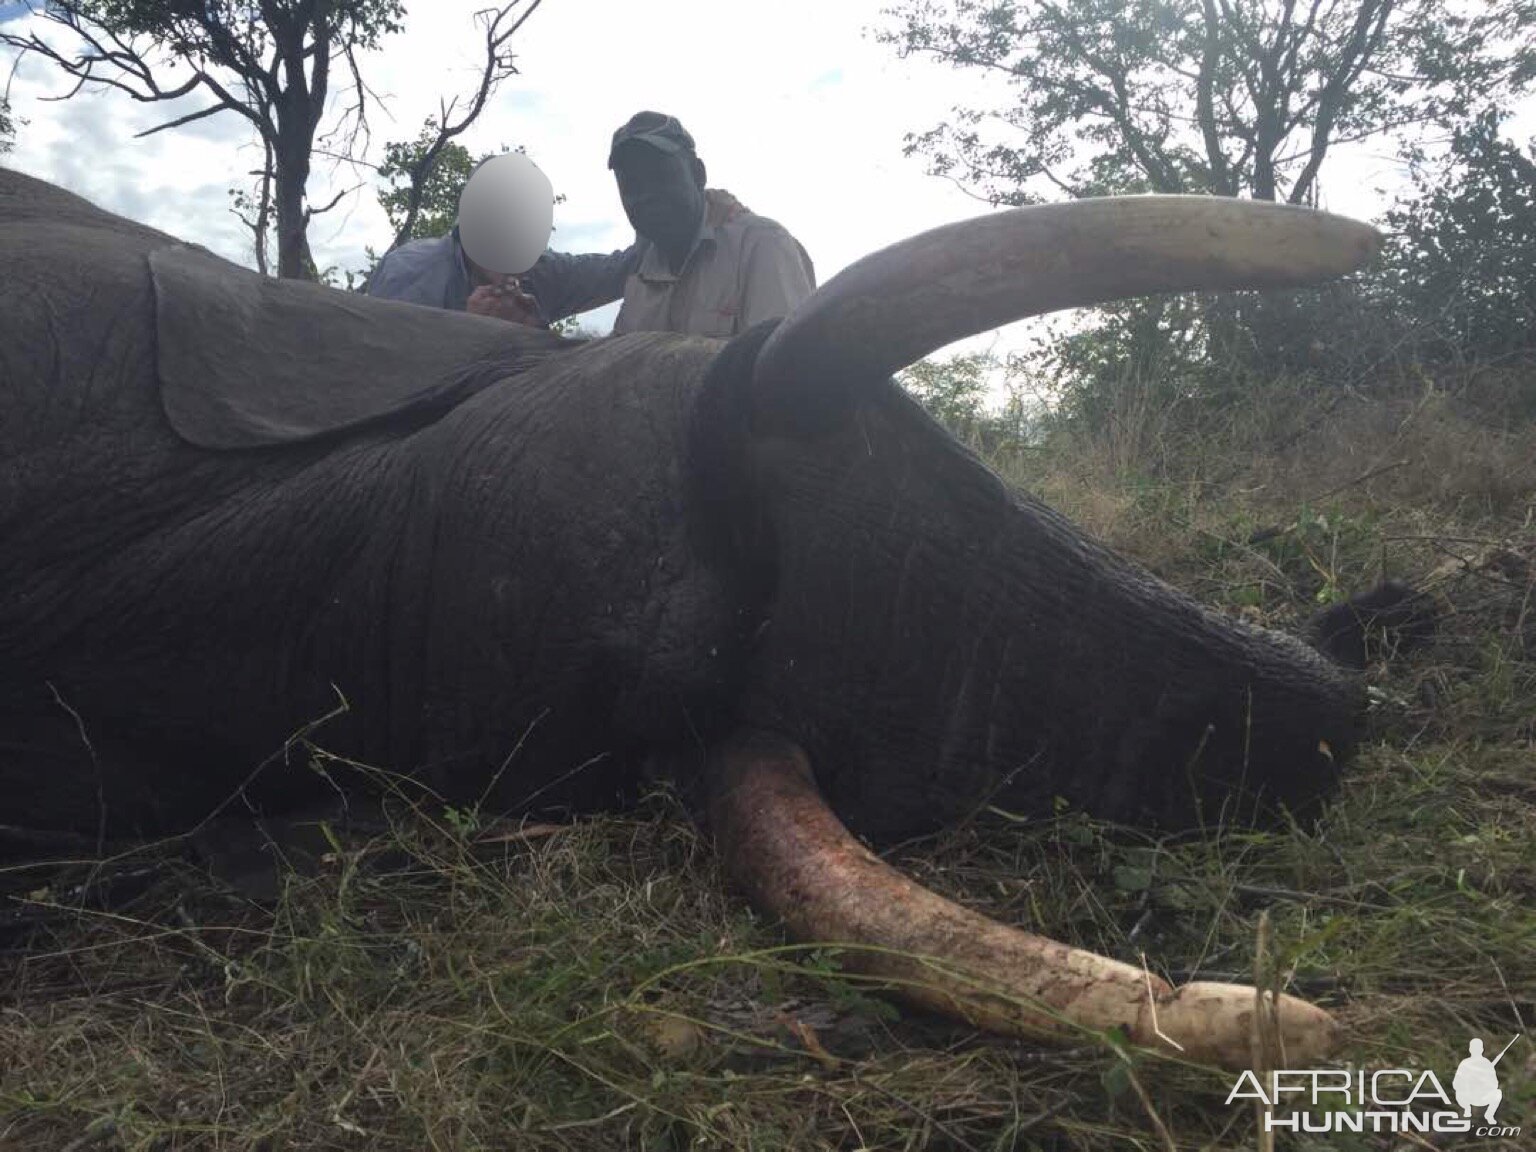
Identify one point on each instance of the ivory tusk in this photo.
(795, 859)
(895, 306)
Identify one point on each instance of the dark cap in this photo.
(653, 128)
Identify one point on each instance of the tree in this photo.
(962, 393)
(7, 120)
(421, 158)
(1221, 96)
(1461, 261)
(270, 62)
(954, 391)
(423, 197)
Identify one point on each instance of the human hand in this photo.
(505, 300)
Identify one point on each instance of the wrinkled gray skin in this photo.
(580, 554)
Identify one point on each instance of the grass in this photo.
(594, 986)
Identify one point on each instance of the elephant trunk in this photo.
(937, 642)
(1158, 709)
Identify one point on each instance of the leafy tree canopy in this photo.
(204, 31)
(439, 196)
(1461, 259)
(1225, 96)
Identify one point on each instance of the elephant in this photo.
(515, 567)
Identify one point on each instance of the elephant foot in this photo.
(795, 859)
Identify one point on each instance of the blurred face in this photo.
(662, 195)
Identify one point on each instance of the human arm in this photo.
(422, 271)
(565, 284)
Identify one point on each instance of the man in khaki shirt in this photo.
(702, 264)
(705, 265)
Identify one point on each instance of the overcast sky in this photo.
(795, 108)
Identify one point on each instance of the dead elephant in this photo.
(225, 499)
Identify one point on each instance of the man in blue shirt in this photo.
(436, 272)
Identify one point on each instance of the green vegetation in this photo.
(423, 180)
(437, 207)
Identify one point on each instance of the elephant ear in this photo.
(247, 361)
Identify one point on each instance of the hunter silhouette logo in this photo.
(1476, 1083)
(1386, 1100)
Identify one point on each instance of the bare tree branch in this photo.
(498, 65)
(311, 213)
(260, 226)
(269, 61)
(1205, 108)
(1370, 27)
(214, 110)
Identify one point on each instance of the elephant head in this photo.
(527, 564)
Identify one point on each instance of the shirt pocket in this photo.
(715, 314)
(714, 300)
